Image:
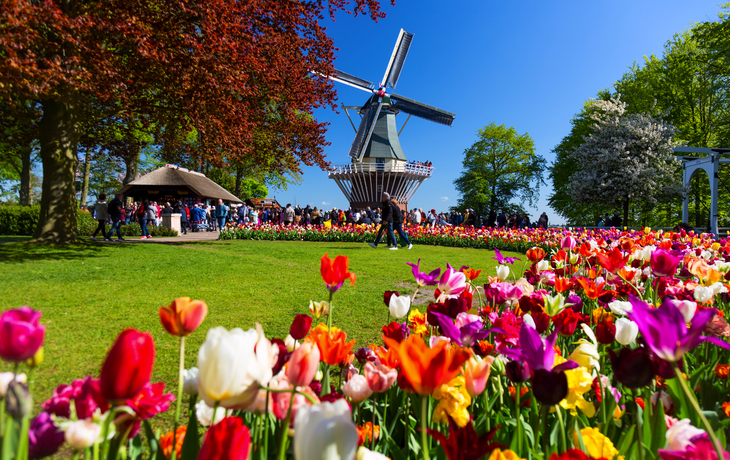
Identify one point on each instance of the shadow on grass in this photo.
(26, 251)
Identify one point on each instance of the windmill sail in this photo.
(352, 80)
(421, 110)
(364, 131)
(395, 66)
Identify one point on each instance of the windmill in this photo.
(377, 161)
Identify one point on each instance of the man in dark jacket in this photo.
(386, 224)
(116, 211)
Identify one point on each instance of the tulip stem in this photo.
(285, 427)
(424, 427)
(563, 439)
(180, 380)
(414, 296)
(329, 313)
(372, 423)
(697, 408)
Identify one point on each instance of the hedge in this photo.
(22, 220)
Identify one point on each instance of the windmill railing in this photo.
(417, 170)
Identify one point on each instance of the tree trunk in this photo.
(59, 133)
(24, 195)
(85, 185)
(239, 179)
(626, 212)
(132, 164)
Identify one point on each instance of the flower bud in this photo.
(303, 364)
(502, 272)
(6, 378)
(300, 326)
(18, 400)
(190, 381)
(399, 306)
(36, 359)
(626, 331)
(517, 371)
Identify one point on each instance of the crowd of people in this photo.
(204, 217)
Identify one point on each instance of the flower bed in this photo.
(605, 345)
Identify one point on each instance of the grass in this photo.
(89, 292)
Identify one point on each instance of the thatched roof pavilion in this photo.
(171, 183)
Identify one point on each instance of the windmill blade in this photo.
(364, 131)
(392, 72)
(355, 82)
(421, 110)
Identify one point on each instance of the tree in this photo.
(19, 145)
(627, 158)
(499, 167)
(214, 67)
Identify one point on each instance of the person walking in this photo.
(101, 214)
(386, 224)
(116, 212)
(148, 216)
(398, 225)
(184, 218)
(221, 213)
(288, 215)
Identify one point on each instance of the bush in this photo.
(22, 220)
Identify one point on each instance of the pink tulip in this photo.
(281, 401)
(357, 389)
(303, 364)
(379, 376)
(567, 243)
(476, 374)
(20, 334)
(663, 263)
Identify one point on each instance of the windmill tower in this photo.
(378, 163)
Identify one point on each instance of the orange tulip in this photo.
(387, 356)
(183, 316)
(424, 368)
(332, 344)
(535, 255)
(471, 274)
(334, 272)
(562, 284)
(590, 288)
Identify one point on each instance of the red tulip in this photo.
(387, 295)
(303, 364)
(128, 365)
(183, 316)
(300, 327)
(228, 439)
(334, 272)
(606, 332)
(20, 334)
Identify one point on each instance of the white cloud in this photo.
(444, 198)
(325, 203)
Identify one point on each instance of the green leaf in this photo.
(152, 442)
(626, 440)
(191, 443)
(395, 452)
(135, 448)
(10, 438)
(659, 427)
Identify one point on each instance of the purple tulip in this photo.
(45, 438)
(467, 335)
(665, 330)
(423, 279)
(502, 259)
(664, 263)
(20, 334)
(538, 354)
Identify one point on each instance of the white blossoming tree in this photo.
(626, 160)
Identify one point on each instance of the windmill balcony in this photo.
(353, 168)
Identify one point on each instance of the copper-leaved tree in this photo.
(224, 69)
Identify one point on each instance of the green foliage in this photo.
(501, 166)
(251, 188)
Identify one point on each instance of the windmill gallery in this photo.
(378, 163)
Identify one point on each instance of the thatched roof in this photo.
(171, 177)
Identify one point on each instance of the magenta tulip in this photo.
(664, 263)
(20, 334)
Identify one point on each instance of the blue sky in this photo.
(529, 65)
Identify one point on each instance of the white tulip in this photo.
(81, 434)
(290, 343)
(679, 435)
(363, 453)
(357, 388)
(718, 288)
(399, 306)
(529, 320)
(190, 381)
(688, 309)
(204, 413)
(543, 265)
(620, 308)
(6, 378)
(502, 272)
(626, 331)
(703, 294)
(325, 432)
(230, 370)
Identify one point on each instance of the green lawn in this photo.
(89, 292)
